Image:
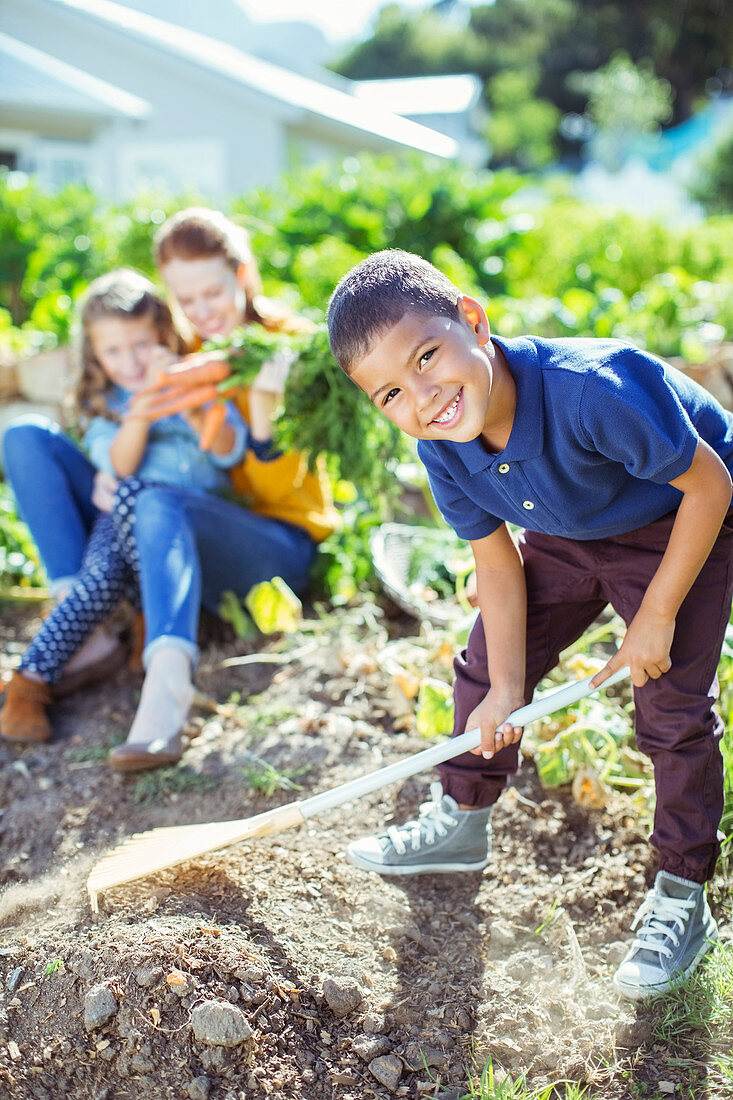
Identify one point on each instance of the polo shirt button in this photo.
(528, 505)
(504, 468)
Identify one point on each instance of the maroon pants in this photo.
(569, 583)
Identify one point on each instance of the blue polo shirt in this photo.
(599, 431)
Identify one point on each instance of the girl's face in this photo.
(209, 292)
(123, 347)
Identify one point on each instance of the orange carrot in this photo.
(213, 370)
(178, 401)
(213, 419)
(183, 376)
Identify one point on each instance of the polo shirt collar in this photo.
(527, 435)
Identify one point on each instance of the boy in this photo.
(618, 469)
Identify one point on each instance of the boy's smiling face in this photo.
(431, 375)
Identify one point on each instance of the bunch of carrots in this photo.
(192, 384)
(322, 411)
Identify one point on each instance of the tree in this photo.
(713, 182)
(686, 42)
(625, 102)
(521, 128)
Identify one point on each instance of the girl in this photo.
(207, 264)
(126, 333)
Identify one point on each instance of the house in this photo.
(101, 91)
(450, 104)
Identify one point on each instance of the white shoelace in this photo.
(661, 915)
(431, 823)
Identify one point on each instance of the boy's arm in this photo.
(502, 600)
(706, 488)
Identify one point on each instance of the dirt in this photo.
(339, 984)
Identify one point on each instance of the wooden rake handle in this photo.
(158, 849)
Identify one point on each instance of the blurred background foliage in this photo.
(545, 65)
(543, 261)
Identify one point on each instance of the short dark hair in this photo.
(377, 293)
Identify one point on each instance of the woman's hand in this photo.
(273, 374)
(490, 717)
(103, 492)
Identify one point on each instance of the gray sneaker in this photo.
(678, 929)
(442, 839)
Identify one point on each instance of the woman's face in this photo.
(209, 292)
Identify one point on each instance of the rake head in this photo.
(157, 849)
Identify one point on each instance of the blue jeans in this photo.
(52, 481)
(193, 546)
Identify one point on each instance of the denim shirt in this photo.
(172, 455)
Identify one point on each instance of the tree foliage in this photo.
(685, 43)
(712, 185)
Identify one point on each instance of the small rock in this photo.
(148, 976)
(416, 1056)
(501, 932)
(252, 974)
(100, 1005)
(14, 979)
(220, 1024)
(141, 1064)
(199, 1088)
(387, 1070)
(374, 1023)
(179, 983)
(369, 1047)
(342, 995)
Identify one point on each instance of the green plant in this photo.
(712, 185)
(266, 779)
(19, 562)
(92, 754)
(493, 1084)
(165, 782)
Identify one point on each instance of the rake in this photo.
(158, 849)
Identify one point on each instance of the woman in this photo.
(192, 548)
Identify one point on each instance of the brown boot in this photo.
(23, 717)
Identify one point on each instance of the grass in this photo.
(92, 754)
(493, 1084)
(164, 782)
(266, 779)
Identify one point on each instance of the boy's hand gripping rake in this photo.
(157, 849)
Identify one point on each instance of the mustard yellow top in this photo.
(285, 488)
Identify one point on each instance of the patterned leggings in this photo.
(109, 574)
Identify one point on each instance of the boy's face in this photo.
(430, 375)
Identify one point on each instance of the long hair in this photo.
(122, 294)
(199, 233)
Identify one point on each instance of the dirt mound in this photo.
(276, 968)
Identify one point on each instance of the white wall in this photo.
(204, 132)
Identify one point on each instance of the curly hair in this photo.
(123, 294)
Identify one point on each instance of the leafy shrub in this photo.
(713, 182)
